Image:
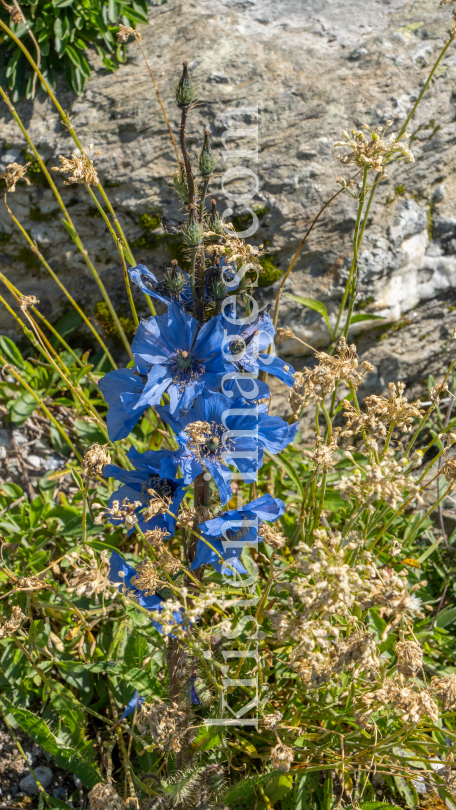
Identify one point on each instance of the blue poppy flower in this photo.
(232, 531)
(237, 434)
(121, 573)
(122, 390)
(178, 357)
(245, 345)
(137, 482)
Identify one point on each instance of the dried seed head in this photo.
(374, 152)
(124, 33)
(323, 455)
(125, 512)
(12, 624)
(162, 723)
(283, 333)
(95, 458)
(315, 383)
(445, 688)
(271, 721)
(104, 797)
(28, 301)
(91, 573)
(146, 578)
(15, 14)
(409, 658)
(13, 173)
(80, 167)
(281, 757)
(271, 536)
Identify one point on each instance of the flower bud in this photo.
(192, 234)
(214, 221)
(184, 90)
(206, 160)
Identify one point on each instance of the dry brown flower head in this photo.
(91, 573)
(409, 658)
(271, 721)
(13, 173)
(158, 505)
(146, 577)
(104, 797)
(272, 536)
(372, 150)
(410, 704)
(124, 33)
(165, 559)
(323, 454)
(382, 413)
(162, 723)
(283, 333)
(28, 301)
(13, 623)
(95, 458)
(445, 688)
(282, 757)
(384, 481)
(80, 167)
(125, 511)
(315, 383)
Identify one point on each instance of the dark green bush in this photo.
(64, 29)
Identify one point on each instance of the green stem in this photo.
(27, 387)
(425, 86)
(350, 287)
(69, 127)
(119, 245)
(63, 288)
(84, 509)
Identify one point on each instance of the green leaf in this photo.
(289, 469)
(57, 802)
(11, 352)
(365, 316)
(65, 757)
(379, 806)
(446, 616)
(23, 407)
(311, 303)
(206, 739)
(77, 478)
(429, 551)
(390, 640)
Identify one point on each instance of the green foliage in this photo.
(65, 30)
(270, 272)
(106, 321)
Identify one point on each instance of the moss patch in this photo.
(27, 256)
(37, 215)
(34, 171)
(270, 272)
(243, 221)
(4, 237)
(106, 321)
(395, 327)
(150, 221)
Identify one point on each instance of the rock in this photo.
(44, 776)
(77, 782)
(314, 69)
(34, 461)
(5, 441)
(36, 750)
(59, 793)
(53, 462)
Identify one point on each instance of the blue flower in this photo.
(245, 346)
(122, 390)
(137, 482)
(174, 287)
(121, 573)
(132, 704)
(232, 531)
(175, 357)
(234, 433)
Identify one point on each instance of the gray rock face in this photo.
(313, 69)
(44, 776)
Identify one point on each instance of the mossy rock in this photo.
(106, 321)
